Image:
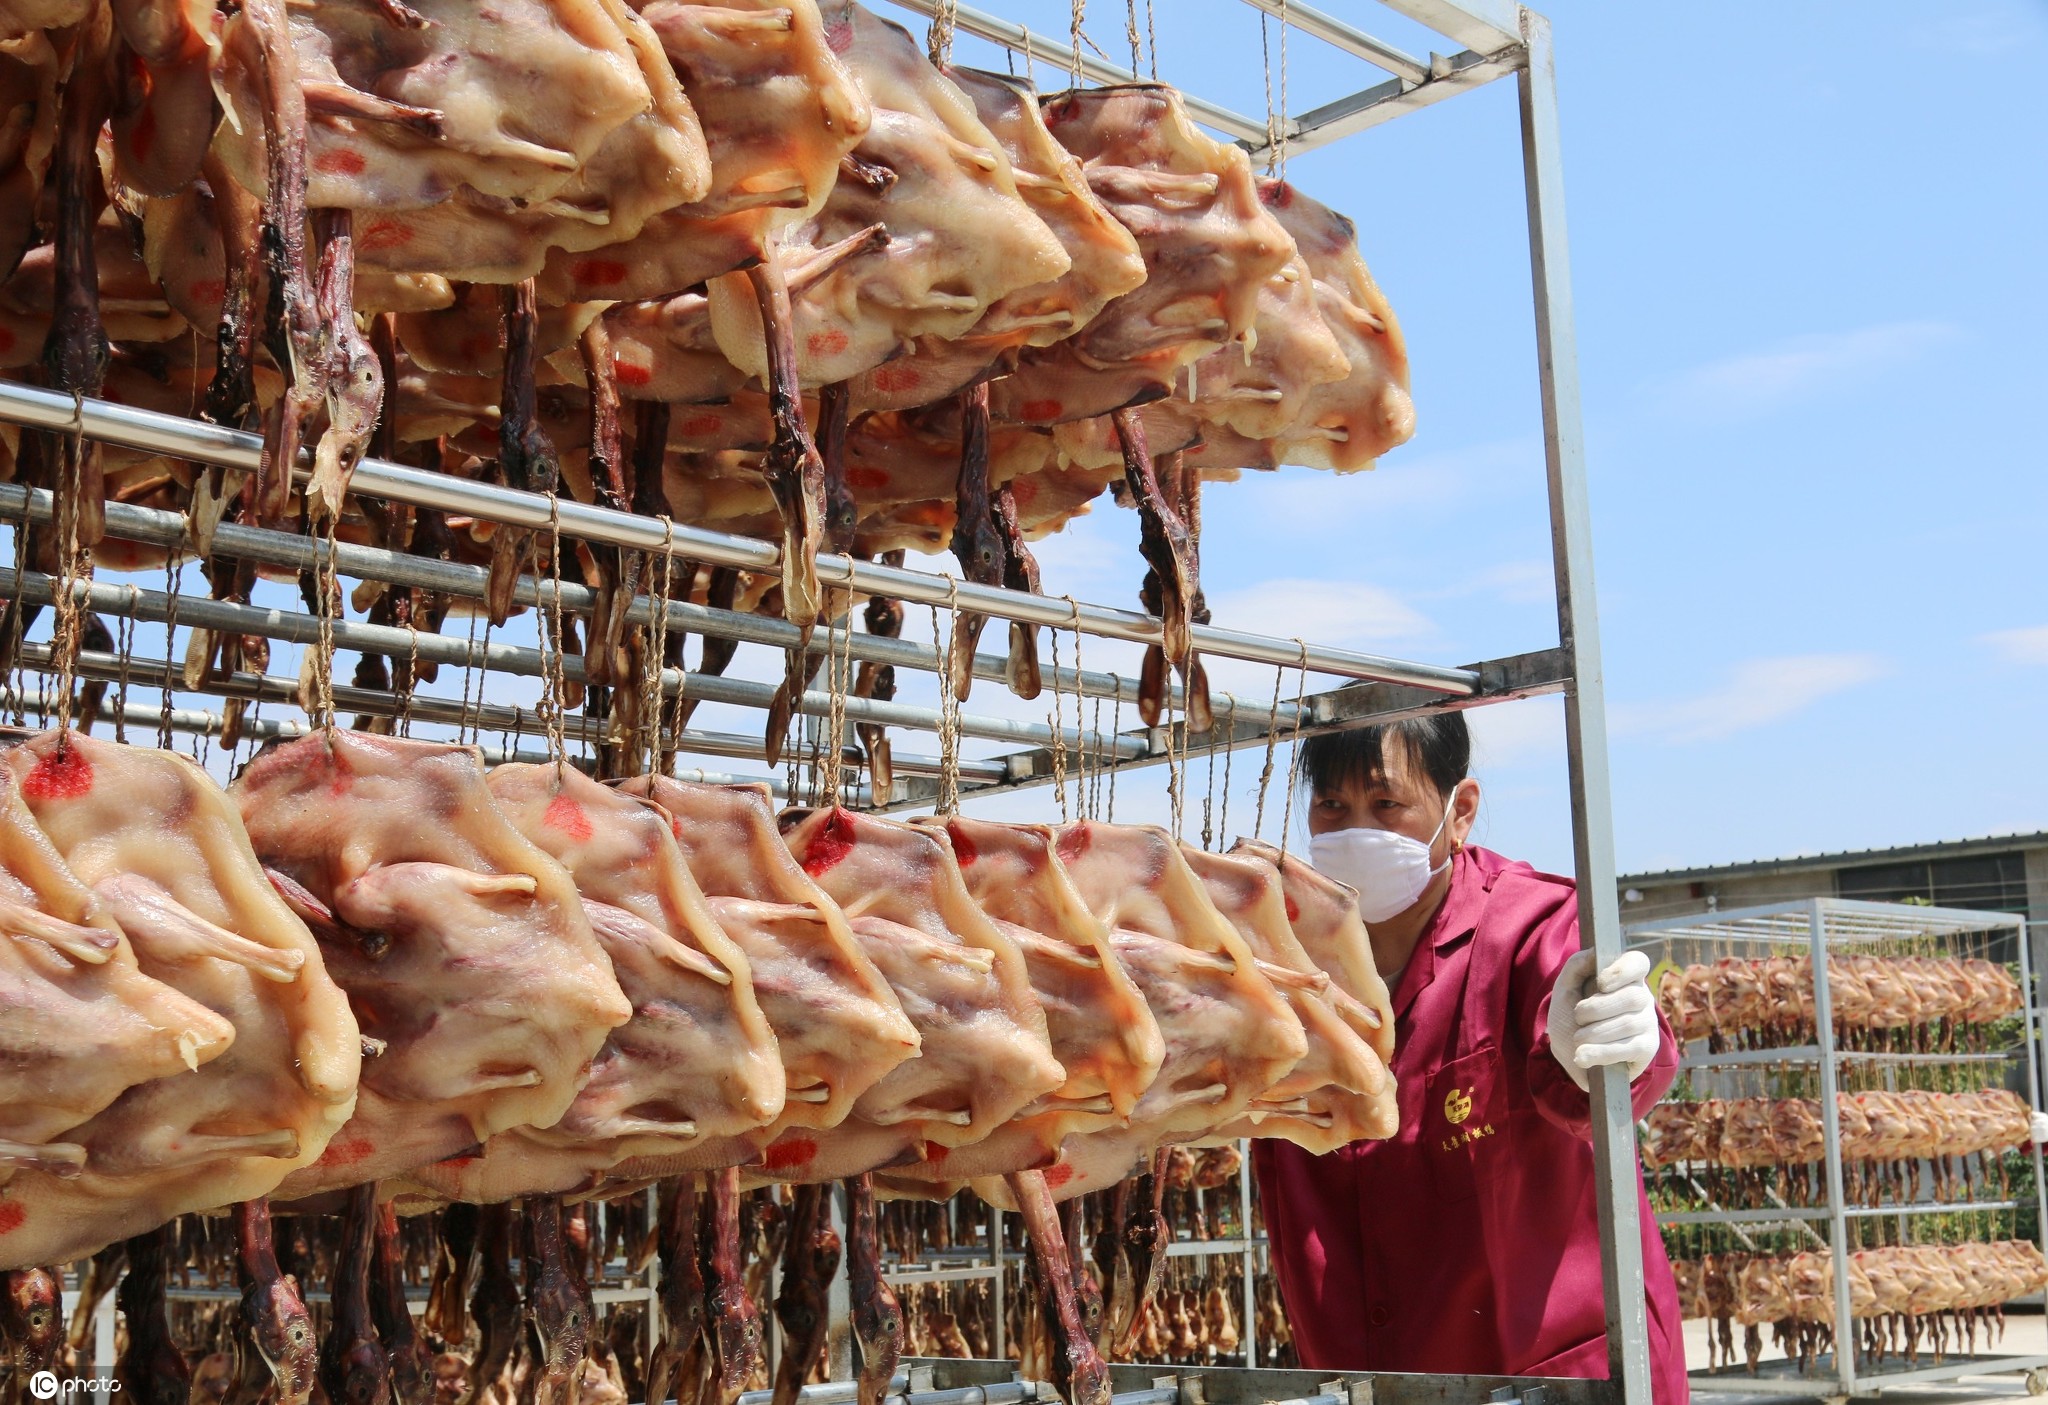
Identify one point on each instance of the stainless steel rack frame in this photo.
(1488, 39)
(1821, 926)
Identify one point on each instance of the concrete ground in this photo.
(2026, 1334)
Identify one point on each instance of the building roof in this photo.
(1799, 863)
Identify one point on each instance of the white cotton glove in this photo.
(1615, 1024)
(2039, 1125)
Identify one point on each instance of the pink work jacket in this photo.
(1466, 1243)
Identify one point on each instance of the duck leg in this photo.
(526, 458)
(353, 1367)
(1078, 1373)
(732, 1323)
(682, 1292)
(279, 1328)
(877, 1314)
(447, 1315)
(809, 1259)
(884, 618)
(495, 1304)
(231, 394)
(77, 352)
(558, 1300)
(301, 345)
(1110, 1266)
(842, 513)
(412, 1365)
(793, 468)
(152, 1371)
(841, 520)
(1087, 1292)
(1145, 1237)
(976, 543)
(354, 383)
(1167, 547)
(1020, 572)
(95, 1281)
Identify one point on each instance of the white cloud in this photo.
(1344, 614)
(2021, 646)
(1799, 366)
(1760, 692)
(1315, 501)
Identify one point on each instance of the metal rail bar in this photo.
(193, 722)
(1059, 54)
(1811, 1054)
(151, 432)
(1775, 1214)
(1485, 25)
(294, 627)
(452, 712)
(1383, 102)
(170, 530)
(1349, 38)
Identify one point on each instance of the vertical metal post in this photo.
(2034, 1099)
(652, 1326)
(997, 1283)
(1616, 1178)
(1831, 1145)
(1250, 1331)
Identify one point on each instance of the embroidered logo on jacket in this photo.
(1458, 1105)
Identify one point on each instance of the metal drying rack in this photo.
(1488, 39)
(1818, 928)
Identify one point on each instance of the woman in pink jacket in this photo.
(1465, 1244)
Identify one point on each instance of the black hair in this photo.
(1437, 743)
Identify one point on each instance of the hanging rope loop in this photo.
(554, 675)
(938, 39)
(1294, 746)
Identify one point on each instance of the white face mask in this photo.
(1389, 870)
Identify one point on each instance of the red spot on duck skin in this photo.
(867, 479)
(1293, 910)
(566, 815)
(1057, 1176)
(385, 234)
(1039, 410)
(340, 161)
(699, 426)
(1074, 842)
(630, 374)
(12, 1214)
(346, 1153)
(895, 379)
(964, 852)
(833, 843)
(790, 1152)
(828, 342)
(63, 774)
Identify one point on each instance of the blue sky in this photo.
(1806, 249)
